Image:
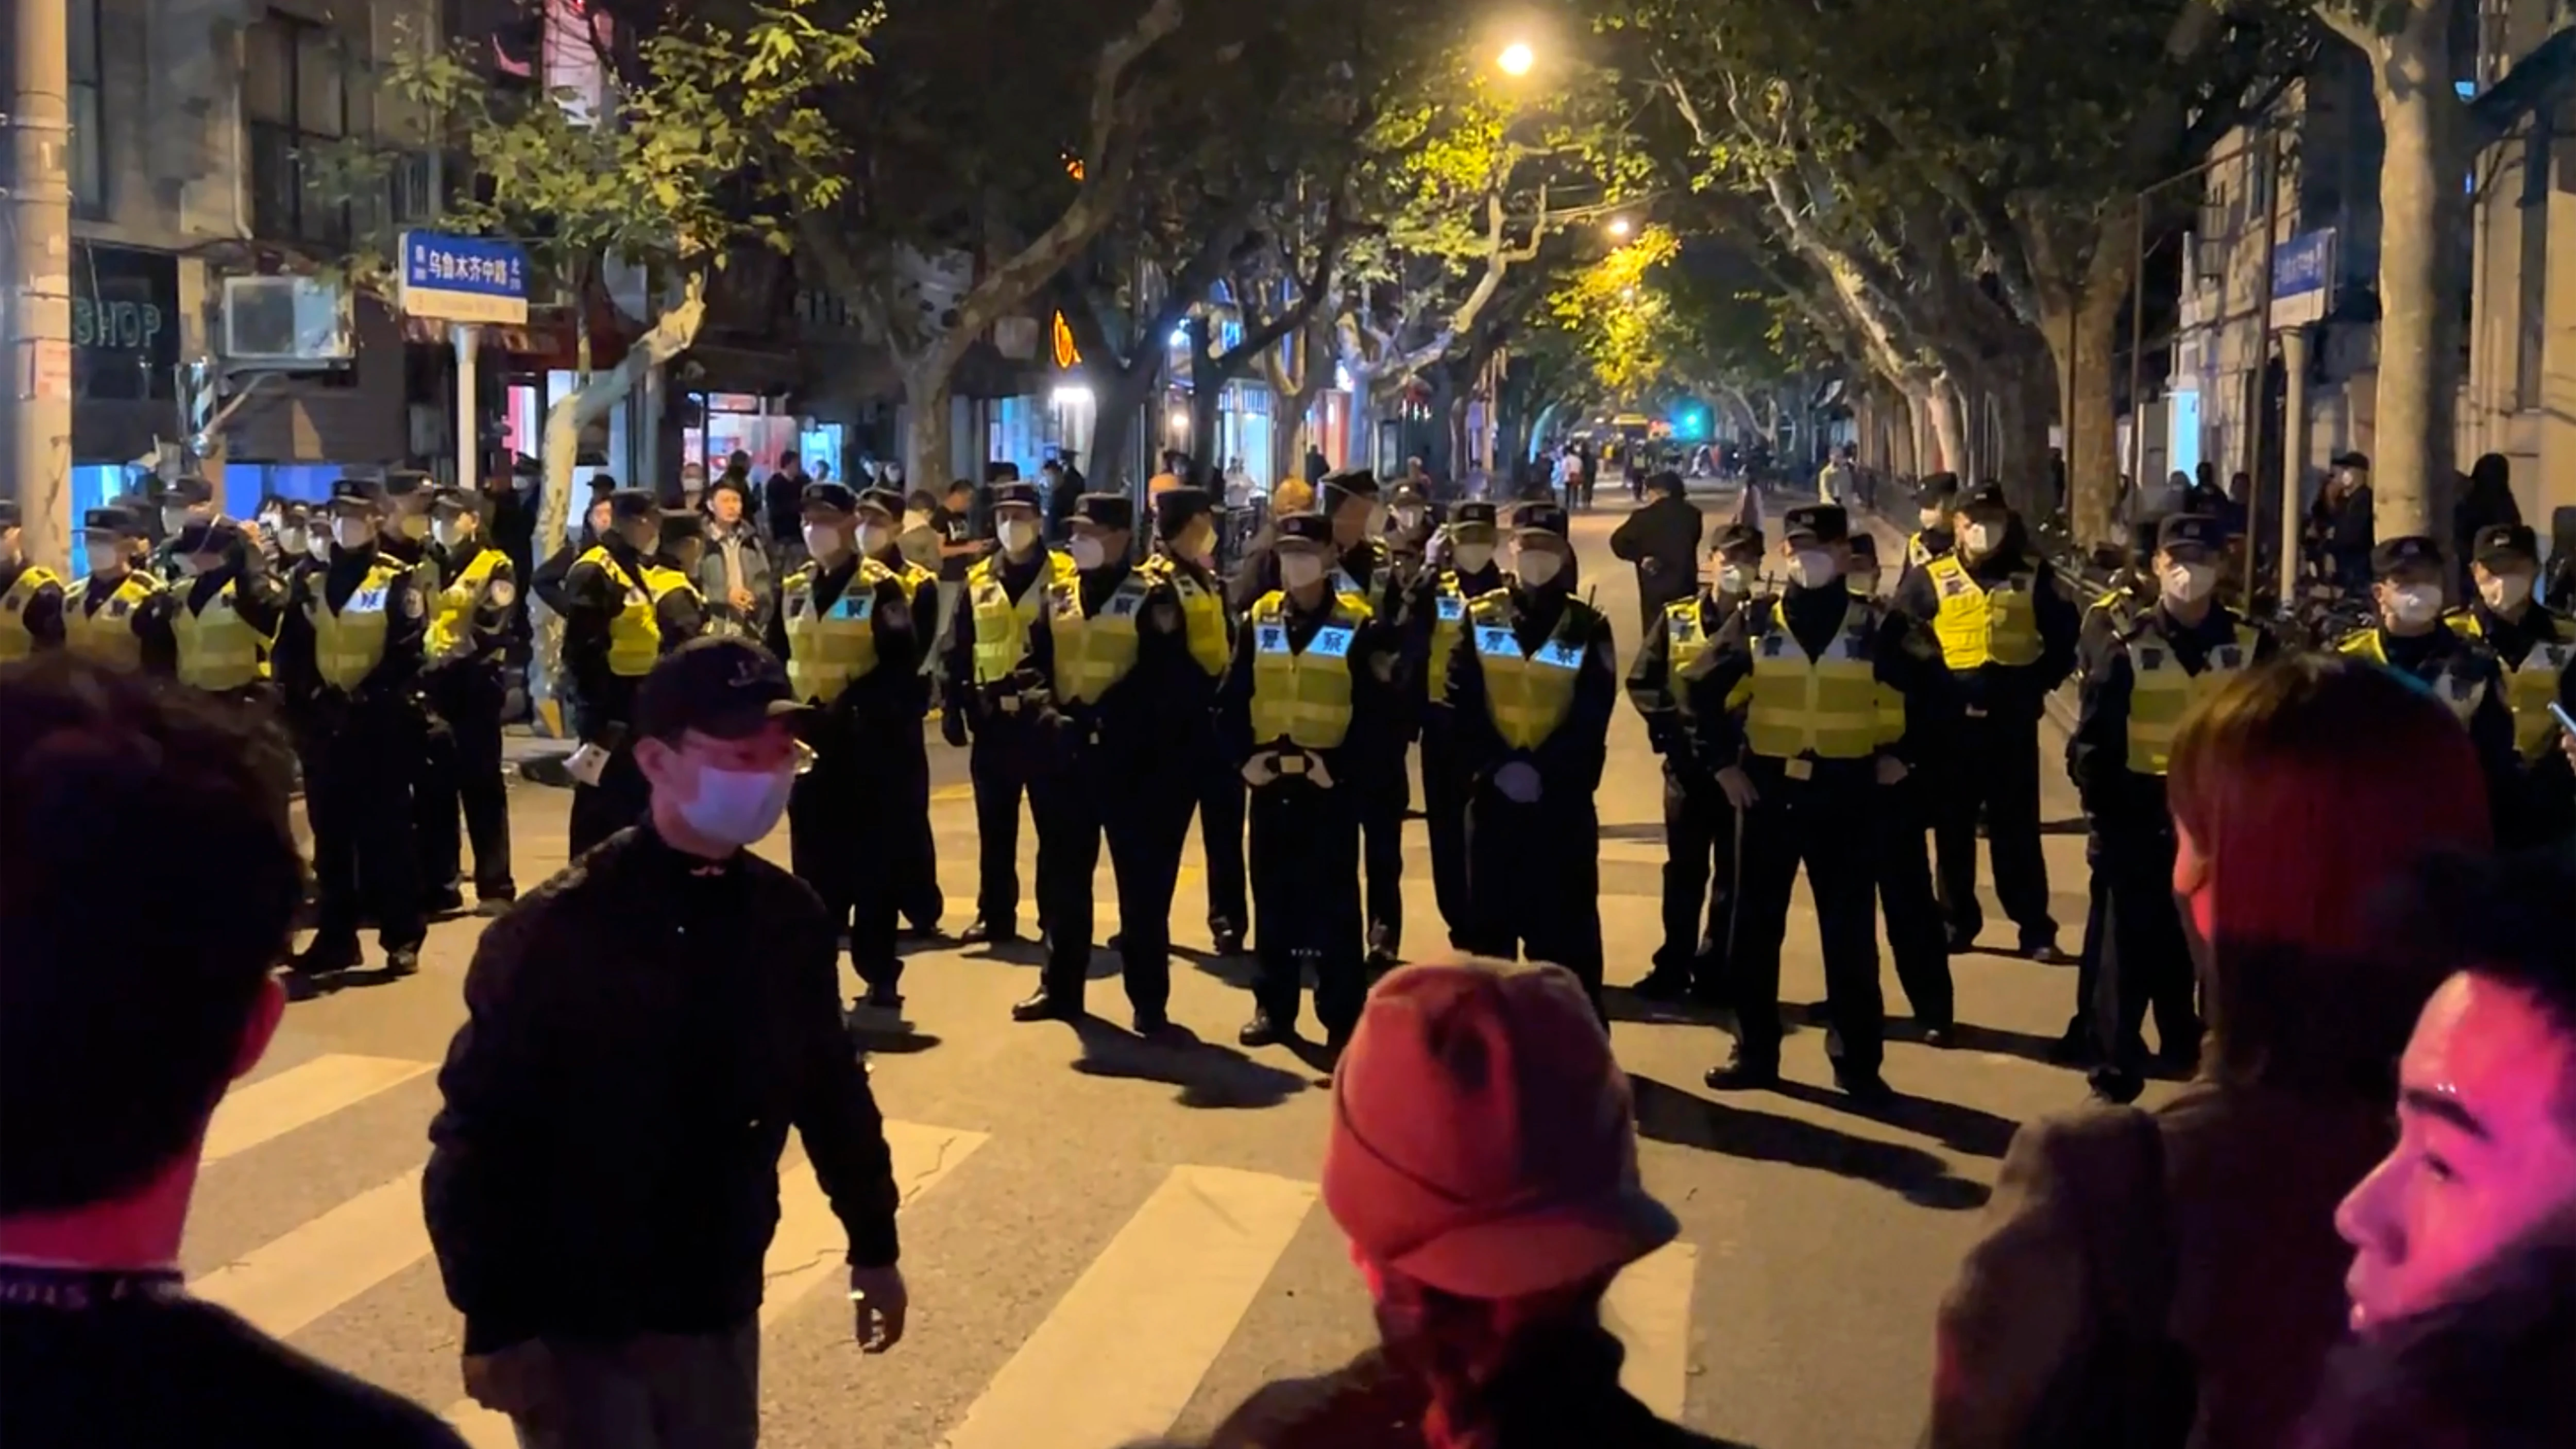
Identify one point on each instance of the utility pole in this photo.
(36, 256)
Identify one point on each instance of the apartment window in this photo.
(88, 156)
(295, 96)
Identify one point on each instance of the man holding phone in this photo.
(2537, 648)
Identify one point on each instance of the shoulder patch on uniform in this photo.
(410, 597)
(502, 592)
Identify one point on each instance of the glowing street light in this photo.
(1517, 58)
(1619, 226)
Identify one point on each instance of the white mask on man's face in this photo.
(2414, 603)
(318, 543)
(1933, 517)
(1734, 580)
(1018, 535)
(1537, 567)
(2505, 591)
(1473, 558)
(352, 532)
(822, 540)
(291, 541)
(1086, 551)
(1300, 570)
(2189, 583)
(874, 538)
(1813, 568)
(106, 558)
(175, 518)
(1978, 538)
(449, 531)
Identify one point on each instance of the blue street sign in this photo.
(463, 278)
(2302, 278)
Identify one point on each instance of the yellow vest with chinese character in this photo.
(349, 644)
(1828, 705)
(1977, 625)
(830, 649)
(451, 619)
(2456, 685)
(15, 641)
(1202, 614)
(634, 631)
(2531, 684)
(218, 648)
(108, 635)
(2162, 692)
(1093, 653)
(1002, 623)
(1528, 695)
(1302, 696)
(1685, 640)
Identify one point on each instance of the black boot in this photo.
(1263, 1030)
(1744, 1073)
(981, 933)
(1043, 1005)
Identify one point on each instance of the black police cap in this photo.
(682, 523)
(1938, 488)
(2394, 554)
(1012, 495)
(627, 504)
(1306, 528)
(452, 500)
(888, 501)
(1540, 518)
(214, 535)
(2502, 543)
(1472, 512)
(1176, 508)
(1736, 538)
(1816, 522)
(1106, 510)
(721, 685)
(354, 493)
(2191, 530)
(1985, 494)
(1356, 483)
(404, 482)
(118, 522)
(2353, 460)
(835, 496)
(191, 488)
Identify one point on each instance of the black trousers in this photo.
(916, 862)
(2097, 915)
(651, 1391)
(1827, 829)
(461, 767)
(1444, 812)
(357, 798)
(1065, 802)
(1993, 776)
(1916, 934)
(2146, 958)
(840, 819)
(1146, 819)
(1306, 901)
(1534, 878)
(1699, 879)
(1221, 811)
(1003, 755)
(1383, 804)
(620, 799)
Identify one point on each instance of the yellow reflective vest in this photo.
(451, 618)
(1978, 625)
(349, 644)
(15, 641)
(2531, 684)
(2456, 686)
(1918, 553)
(830, 649)
(1202, 614)
(1094, 652)
(1448, 626)
(634, 631)
(1528, 695)
(107, 634)
(1001, 622)
(1302, 696)
(1685, 640)
(1828, 705)
(2162, 692)
(218, 648)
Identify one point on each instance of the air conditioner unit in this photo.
(287, 322)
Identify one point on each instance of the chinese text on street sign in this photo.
(463, 279)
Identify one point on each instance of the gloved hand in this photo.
(1316, 772)
(1891, 770)
(1519, 782)
(1261, 769)
(952, 727)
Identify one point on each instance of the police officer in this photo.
(2007, 631)
(2137, 688)
(993, 694)
(1462, 568)
(2537, 648)
(299, 546)
(2463, 672)
(1303, 706)
(671, 577)
(31, 595)
(1699, 823)
(1365, 570)
(846, 628)
(612, 633)
(1409, 529)
(915, 858)
(191, 499)
(221, 617)
(1933, 536)
(348, 661)
(469, 633)
(1801, 709)
(119, 612)
(1185, 560)
(1531, 688)
(2133, 593)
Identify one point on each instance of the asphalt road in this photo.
(1108, 1239)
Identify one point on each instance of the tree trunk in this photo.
(2083, 339)
(1207, 398)
(928, 443)
(1949, 426)
(2414, 451)
(669, 336)
(2025, 392)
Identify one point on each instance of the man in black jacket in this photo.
(644, 1028)
(1662, 540)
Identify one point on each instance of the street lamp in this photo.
(1517, 58)
(1618, 226)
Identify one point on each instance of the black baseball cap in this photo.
(1105, 510)
(355, 493)
(1540, 518)
(451, 500)
(2191, 530)
(1313, 528)
(2396, 554)
(190, 488)
(1938, 489)
(682, 523)
(2504, 543)
(214, 535)
(1817, 523)
(1985, 494)
(1357, 483)
(1176, 508)
(628, 504)
(1736, 538)
(1472, 513)
(723, 686)
(1011, 495)
(114, 521)
(887, 501)
(2353, 460)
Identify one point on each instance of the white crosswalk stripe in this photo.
(298, 1097)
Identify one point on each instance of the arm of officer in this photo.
(2059, 625)
(1364, 751)
(1232, 708)
(957, 659)
(261, 601)
(552, 575)
(492, 612)
(897, 622)
(290, 657)
(1572, 757)
(1910, 663)
(1647, 686)
(2491, 730)
(681, 614)
(2098, 750)
(1915, 597)
(835, 1111)
(1472, 735)
(589, 602)
(1708, 689)
(406, 631)
(151, 624)
(44, 617)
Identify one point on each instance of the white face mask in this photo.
(1734, 579)
(105, 558)
(1409, 517)
(1537, 567)
(2415, 603)
(352, 532)
(2189, 583)
(1813, 568)
(1019, 535)
(449, 531)
(1300, 570)
(174, 519)
(1933, 517)
(2505, 591)
(319, 545)
(1087, 552)
(291, 541)
(738, 807)
(822, 540)
(1978, 538)
(1473, 558)
(873, 538)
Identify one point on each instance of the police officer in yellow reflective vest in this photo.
(846, 628)
(1185, 558)
(1907, 900)
(1699, 823)
(2007, 630)
(1304, 706)
(1933, 536)
(1531, 687)
(1365, 571)
(1460, 567)
(469, 632)
(2136, 690)
(612, 633)
(2537, 648)
(347, 661)
(31, 595)
(914, 855)
(671, 577)
(221, 619)
(991, 691)
(1801, 709)
(2462, 672)
(118, 613)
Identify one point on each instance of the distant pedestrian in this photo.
(780, 498)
